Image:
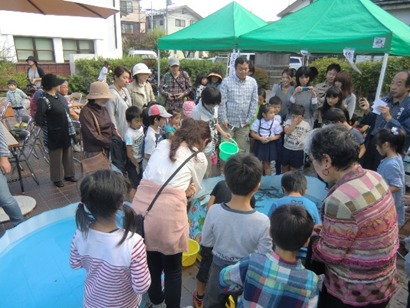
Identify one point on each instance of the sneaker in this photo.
(197, 302)
(24, 125)
(17, 125)
(77, 148)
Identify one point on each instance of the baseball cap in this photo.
(158, 110)
(173, 61)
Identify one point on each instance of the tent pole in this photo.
(159, 69)
(382, 73)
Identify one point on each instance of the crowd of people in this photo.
(346, 248)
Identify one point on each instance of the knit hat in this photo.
(187, 108)
(99, 90)
(158, 110)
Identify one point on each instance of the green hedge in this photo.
(88, 69)
(8, 71)
(261, 77)
(370, 72)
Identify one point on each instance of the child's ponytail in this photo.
(129, 222)
(83, 219)
(395, 136)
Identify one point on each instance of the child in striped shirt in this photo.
(276, 279)
(114, 258)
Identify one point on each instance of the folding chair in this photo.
(35, 140)
(76, 97)
(77, 127)
(23, 137)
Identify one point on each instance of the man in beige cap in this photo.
(175, 85)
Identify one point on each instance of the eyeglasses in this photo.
(243, 70)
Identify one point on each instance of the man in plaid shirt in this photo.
(239, 102)
(175, 85)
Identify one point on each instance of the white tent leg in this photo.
(159, 70)
(382, 73)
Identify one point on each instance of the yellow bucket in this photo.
(189, 258)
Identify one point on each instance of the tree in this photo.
(148, 41)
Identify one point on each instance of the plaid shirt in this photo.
(269, 281)
(172, 86)
(239, 100)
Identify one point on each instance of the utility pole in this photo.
(166, 17)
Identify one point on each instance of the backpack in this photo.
(118, 151)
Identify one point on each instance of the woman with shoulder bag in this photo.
(166, 224)
(96, 126)
(34, 73)
(52, 115)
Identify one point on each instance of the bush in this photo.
(261, 77)
(8, 71)
(370, 72)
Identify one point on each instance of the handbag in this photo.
(98, 162)
(30, 89)
(141, 217)
(315, 266)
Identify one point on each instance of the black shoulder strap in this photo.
(167, 181)
(182, 72)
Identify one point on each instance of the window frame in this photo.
(180, 23)
(78, 50)
(34, 51)
(127, 8)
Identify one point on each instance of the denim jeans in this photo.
(8, 203)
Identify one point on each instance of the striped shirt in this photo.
(116, 275)
(269, 281)
(239, 100)
(4, 148)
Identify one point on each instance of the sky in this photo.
(265, 9)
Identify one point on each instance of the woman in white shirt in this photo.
(166, 225)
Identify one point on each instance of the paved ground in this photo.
(50, 197)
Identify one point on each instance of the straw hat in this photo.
(99, 90)
(215, 74)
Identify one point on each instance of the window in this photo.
(76, 47)
(130, 27)
(41, 48)
(126, 7)
(191, 22)
(127, 27)
(161, 22)
(179, 23)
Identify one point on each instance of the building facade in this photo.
(53, 40)
(179, 17)
(132, 19)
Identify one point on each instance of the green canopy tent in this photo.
(219, 31)
(329, 26)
